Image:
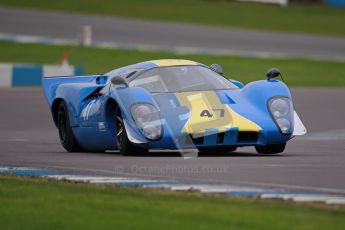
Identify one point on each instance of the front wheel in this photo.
(123, 143)
(270, 149)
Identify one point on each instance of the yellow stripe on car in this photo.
(207, 112)
(173, 62)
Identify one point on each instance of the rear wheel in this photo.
(123, 143)
(66, 135)
(270, 149)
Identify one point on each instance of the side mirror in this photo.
(117, 80)
(272, 73)
(217, 68)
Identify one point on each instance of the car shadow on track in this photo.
(162, 153)
(208, 154)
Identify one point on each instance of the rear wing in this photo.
(51, 85)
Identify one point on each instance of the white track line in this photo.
(203, 188)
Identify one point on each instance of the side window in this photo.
(150, 80)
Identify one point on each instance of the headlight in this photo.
(147, 119)
(281, 110)
(279, 107)
(284, 125)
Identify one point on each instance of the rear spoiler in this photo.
(51, 84)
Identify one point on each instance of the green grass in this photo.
(296, 72)
(313, 19)
(32, 203)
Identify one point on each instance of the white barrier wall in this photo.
(12, 75)
(5, 75)
(278, 2)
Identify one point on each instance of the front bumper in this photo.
(212, 138)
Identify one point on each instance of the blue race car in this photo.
(171, 104)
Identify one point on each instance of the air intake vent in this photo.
(247, 137)
(198, 140)
(195, 141)
(220, 138)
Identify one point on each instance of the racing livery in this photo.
(171, 104)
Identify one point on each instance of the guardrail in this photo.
(13, 75)
(278, 2)
(337, 3)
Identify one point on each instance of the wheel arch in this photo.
(55, 109)
(110, 107)
(110, 113)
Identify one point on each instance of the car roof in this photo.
(153, 64)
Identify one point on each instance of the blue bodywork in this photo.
(91, 99)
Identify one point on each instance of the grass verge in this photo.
(33, 203)
(313, 19)
(296, 72)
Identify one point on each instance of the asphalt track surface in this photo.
(167, 35)
(314, 162)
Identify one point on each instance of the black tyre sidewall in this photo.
(66, 135)
(271, 149)
(125, 146)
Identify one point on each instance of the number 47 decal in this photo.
(207, 113)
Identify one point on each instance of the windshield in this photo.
(181, 79)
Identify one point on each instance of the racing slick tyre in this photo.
(218, 149)
(270, 149)
(66, 135)
(123, 143)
